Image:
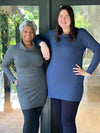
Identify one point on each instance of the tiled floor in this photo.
(11, 120)
(88, 117)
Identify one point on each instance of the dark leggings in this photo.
(31, 120)
(66, 113)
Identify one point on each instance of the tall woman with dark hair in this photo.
(65, 74)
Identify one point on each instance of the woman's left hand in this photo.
(45, 50)
(80, 71)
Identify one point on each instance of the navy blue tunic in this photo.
(62, 82)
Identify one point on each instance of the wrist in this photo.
(87, 74)
(41, 44)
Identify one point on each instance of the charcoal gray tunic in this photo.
(31, 78)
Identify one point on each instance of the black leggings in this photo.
(66, 113)
(31, 120)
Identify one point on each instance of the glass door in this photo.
(11, 16)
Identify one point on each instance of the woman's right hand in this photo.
(45, 50)
(15, 83)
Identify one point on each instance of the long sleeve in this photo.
(90, 43)
(8, 58)
(44, 37)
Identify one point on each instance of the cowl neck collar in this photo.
(23, 47)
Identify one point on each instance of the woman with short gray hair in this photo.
(31, 80)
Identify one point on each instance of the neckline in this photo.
(64, 36)
(24, 48)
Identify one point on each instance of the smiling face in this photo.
(27, 34)
(64, 20)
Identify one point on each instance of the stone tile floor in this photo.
(11, 121)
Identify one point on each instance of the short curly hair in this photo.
(28, 23)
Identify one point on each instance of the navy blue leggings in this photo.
(31, 120)
(66, 113)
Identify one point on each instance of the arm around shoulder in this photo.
(43, 41)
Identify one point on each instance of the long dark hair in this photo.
(73, 30)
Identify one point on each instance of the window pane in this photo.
(15, 15)
(88, 17)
